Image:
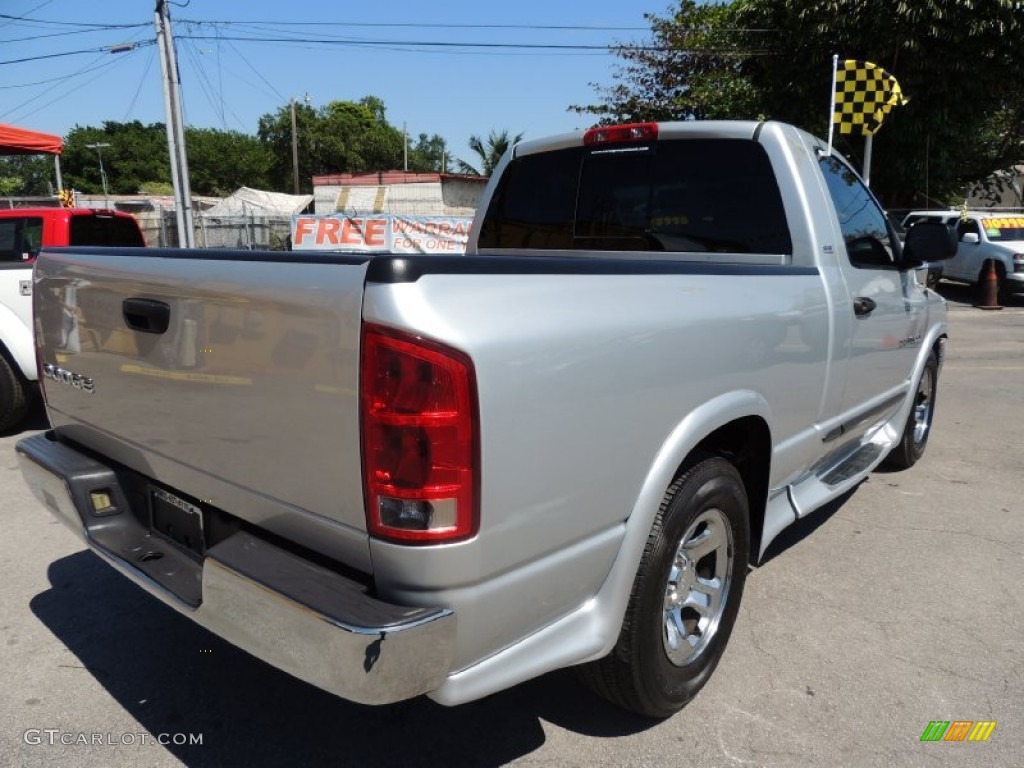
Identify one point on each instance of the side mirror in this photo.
(969, 237)
(869, 252)
(928, 241)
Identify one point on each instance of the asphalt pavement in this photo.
(898, 606)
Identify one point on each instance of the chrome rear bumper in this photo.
(307, 620)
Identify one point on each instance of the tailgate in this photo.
(231, 377)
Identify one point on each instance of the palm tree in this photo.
(489, 153)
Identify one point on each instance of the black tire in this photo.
(707, 504)
(918, 428)
(13, 396)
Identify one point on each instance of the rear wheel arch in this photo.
(747, 444)
(685, 592)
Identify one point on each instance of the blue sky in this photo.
(228, 83)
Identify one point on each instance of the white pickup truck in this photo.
(985, 238)
(445, 475)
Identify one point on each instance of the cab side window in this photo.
(967, 226)
(869, 240)
(20, 239)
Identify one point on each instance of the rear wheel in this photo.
(919, 423)
(685, 597)
(13, 396)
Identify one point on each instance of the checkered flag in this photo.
(864, 95)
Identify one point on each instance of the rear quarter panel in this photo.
(582, 380)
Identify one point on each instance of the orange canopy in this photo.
(18, 141)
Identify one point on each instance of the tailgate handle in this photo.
(146, 315)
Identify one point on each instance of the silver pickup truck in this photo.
(393, 476)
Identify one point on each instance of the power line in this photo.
(414, 25)
(98, 49)
(430, 43)
(91, 66)
(142, 82)
(55, 34)
(41, 5)
(451, 46)
(59, 78)
(256, 71)
(109, 63)
(26, 20)
(214, 95)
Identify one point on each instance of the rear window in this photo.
(105, 230)
(914, 218)
(694, 195)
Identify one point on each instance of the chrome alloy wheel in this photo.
(924, 406)
(698, 587)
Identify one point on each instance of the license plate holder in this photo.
(177, 520)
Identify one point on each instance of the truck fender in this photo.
(933, 340)
(16, 342)
(680, 443)
(590, 632)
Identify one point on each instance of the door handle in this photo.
(862, 305)
(146, 315)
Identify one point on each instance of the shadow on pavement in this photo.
(175, 677)
(967, 296)
(804, 527)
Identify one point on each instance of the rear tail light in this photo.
(619, 134)
(419, 431)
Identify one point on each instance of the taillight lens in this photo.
(619, 134)
(418, 409)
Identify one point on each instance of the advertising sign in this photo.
(380, 233)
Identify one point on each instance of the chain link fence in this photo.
(249, 232)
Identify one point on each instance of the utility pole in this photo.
(295, 150)
(103, 174)
(175, 126)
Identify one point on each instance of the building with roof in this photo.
(401, 193)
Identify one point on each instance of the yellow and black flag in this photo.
(864, 95)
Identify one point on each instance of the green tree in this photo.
(691, 68)
(136, 154)
(355, 136)
(429, 153)
(222, 161)
(965, 116)
(964, 120)
(26, 175)
(136, 159)
(489, 152)
(275, 133)
(338, 137)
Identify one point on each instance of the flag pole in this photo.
(832, 103)
(867, 159)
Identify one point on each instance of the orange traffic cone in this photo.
(990, 289)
